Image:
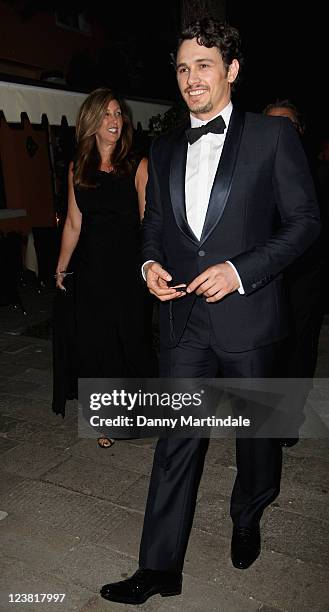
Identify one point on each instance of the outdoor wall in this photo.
(27, 178)
(27, 42)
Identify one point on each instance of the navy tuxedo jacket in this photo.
(262, 215)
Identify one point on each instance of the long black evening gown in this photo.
(103, 323)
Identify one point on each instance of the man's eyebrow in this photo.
(198, 61)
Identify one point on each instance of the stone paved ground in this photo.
(71, 513)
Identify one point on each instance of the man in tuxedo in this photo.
(230, 204)
(302, 280)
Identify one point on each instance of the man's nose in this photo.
(193, 76)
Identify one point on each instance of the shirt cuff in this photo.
(143, 266)
(240, 288)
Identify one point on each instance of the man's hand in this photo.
(215, 282)
(157, 281)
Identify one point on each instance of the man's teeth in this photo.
(197, 92)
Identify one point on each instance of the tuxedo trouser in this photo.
(178, 462)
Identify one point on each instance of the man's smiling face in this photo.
(203, 80)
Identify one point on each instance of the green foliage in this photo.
(171, 119)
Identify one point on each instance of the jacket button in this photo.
(254, 285)
(201, 253)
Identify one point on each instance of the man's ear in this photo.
(233, 71)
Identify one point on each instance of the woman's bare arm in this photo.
(71, 231)
(140, 183)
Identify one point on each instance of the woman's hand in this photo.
(60, 275)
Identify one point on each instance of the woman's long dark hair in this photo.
(90, 117)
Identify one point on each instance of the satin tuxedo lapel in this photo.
(177, 185)
(223, 179)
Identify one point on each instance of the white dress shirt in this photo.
(201, 165)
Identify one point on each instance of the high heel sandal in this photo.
(104, 442)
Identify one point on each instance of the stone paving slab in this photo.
(93, 479)
(316, 424)
(310, 447)
(18, 387)
(127, 538)
(279, 534)
(273, 579)
(7, 424)
(31, 460)
(37, 356)
(97, 604)
(4, 402)
(38, 410)
(16, 346)
(19, 429)
(200, 597)
(95, 566)
(6, 359)
(42, 392)
(8, 483)
(320, 389)
(265, 608)
(291, 465)
(43, 504)
(297, 498)
(208, 599)
(219, 480)
(213, 514)
(147, 442)
(122, 455)
(43, 549)
(6, 444)
(221, 452)
(134, 497)
(313, 473)
(57, 436)
(12, 369)
(19, 578)
(37, 375)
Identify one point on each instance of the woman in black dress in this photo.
(112, 311)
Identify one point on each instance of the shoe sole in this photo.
(170, 593)
(133, 602)
(241, 565)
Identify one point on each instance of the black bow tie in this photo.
(216, 126)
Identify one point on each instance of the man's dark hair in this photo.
(213, 33)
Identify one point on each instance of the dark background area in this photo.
(285, 48)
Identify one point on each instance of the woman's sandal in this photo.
(105, 442)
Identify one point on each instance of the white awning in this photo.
(56, 103)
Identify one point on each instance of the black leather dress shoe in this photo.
(288, 442)
(245, 546)
(142, 585)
